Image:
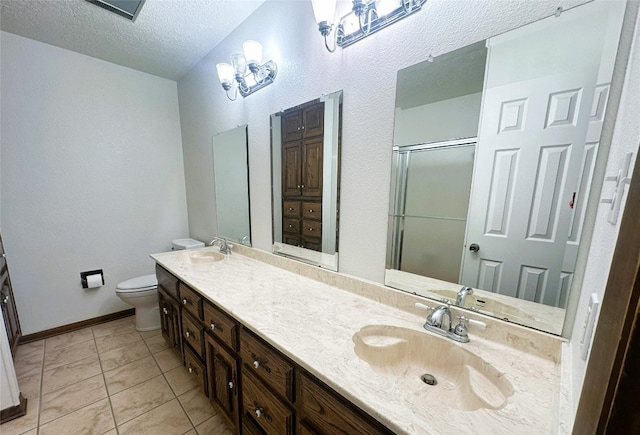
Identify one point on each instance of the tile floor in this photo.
(109, 379)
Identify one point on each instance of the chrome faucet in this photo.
(224, 246)
(439, 322)
(462, 296)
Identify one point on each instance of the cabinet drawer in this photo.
(193, 333)
(267, 363)
(221, 325)
(311, 228)
(191, 301)
(312, 210)
(326, 413)
(291, 209)
(269, 412)
(167, 281)
(291, 225)
(196, 369)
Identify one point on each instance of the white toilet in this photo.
(142, 292)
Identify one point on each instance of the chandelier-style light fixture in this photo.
(366, 17)
(258, 75)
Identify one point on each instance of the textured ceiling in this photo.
(167, 39)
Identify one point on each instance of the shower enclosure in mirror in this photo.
(305, 155)
(494, 153)
(231, 177)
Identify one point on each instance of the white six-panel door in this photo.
(530, 161)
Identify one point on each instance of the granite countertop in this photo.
(313, 323)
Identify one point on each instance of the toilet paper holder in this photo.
(84, 275)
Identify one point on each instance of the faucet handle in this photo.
(423, 306)
(461, 327)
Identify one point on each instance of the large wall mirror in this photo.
(494, 154)
(305, 156)
(231, 177)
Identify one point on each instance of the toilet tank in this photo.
(179, 244)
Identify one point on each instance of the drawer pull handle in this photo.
(291, 208)
(256, 364)
(230, 385)
(165, 311)
(310, 210)
(290, 226)
(5, 300)
(310, 229)
(192, 370)
(302, 186)
(258, 413)
(186, 301)
(188, 333)
(213, 326)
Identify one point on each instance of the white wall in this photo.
(626, 138)
(366, 71)
(443, 120)
(92, 178)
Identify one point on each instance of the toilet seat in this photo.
(138, 284)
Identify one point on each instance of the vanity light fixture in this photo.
(366, 17)
(258, 76)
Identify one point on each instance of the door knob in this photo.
(474, 247)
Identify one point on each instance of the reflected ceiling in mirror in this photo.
(305, 156)
(231, 177)
(494, 153)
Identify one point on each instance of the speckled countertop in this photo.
(312, 319)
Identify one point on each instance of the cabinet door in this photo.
(292, 126)
(322, 412)
(313, 120)
(170, 322)
(291, 169)
(222, 367)
(312, 168)
(10, 314)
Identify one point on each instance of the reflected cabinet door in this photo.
(291, 169)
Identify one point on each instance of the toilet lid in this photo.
(140, 283)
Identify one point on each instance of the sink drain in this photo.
(429, 379)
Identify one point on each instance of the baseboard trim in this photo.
(75, 326)
(15, 411)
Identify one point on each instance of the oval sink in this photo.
(199, 257)
(462, 379)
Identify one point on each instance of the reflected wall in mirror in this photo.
(231, 177)
(305, 156)
(502, 209)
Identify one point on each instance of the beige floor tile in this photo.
(58, 357)
(156, 343)
(191, 432)
(167, 360)
(111, 432)
(197, 406)
(24, 423)
(167, 419)
(108, 343)
(180, 380)
(70, 374)
(94, 419)
(142, 398)
(119, 326)
(148, 334)
(132, 374)
(30, 385)
(68, 339)
(214, 426)
(68, 399)
(29, 364)
(29, 349)
(123, 356)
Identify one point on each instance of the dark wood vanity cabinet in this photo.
(8, 303)
(303, 121)
(256, 389)
(170, 321)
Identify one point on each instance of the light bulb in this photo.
(225, 74)
(253, 54)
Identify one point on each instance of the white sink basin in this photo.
(200, 257)
(463, 379)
